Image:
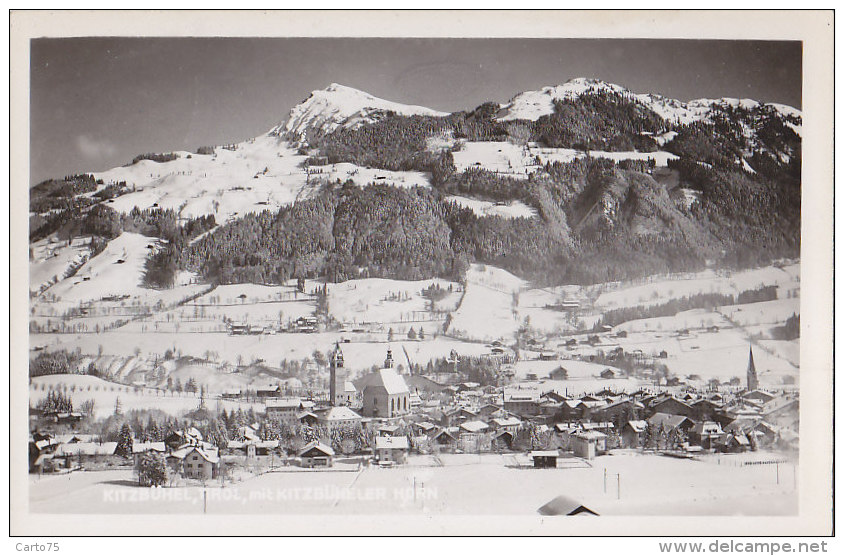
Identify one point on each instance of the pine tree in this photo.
(125, 443)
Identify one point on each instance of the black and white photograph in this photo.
(426, 278)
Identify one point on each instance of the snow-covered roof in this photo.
(638, 425)
(319, 446)
(389, 379)
(341, 413)
(284, 403)
(391, 443)
(508, 422)
(474, 426)
(86, 449)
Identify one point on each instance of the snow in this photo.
(531, 105)
(449, 485)
(104, 394)
(506, 158)
(50, 261)
(229, 184)
(658, 289)
(511, 209)
(342, 106)
(378, 300)
(486, 312)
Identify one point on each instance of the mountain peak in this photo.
(339, 105)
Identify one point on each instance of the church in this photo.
(385, 393)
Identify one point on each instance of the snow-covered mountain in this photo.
(532, 105)
(338, 105)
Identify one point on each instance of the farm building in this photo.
(563, 505)
(588, 444)
(544, 459)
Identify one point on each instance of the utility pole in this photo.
(605, 480)
(619, 485)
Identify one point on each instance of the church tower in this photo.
(337, 380)
(752, 379)
(388, 363)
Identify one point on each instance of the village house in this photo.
(588, 444)
(195, 462)
(632, 433)
(286, 410)
(338, 418)
(445, 439)
(522, 402)
(672, 406)
(706, 434)
(391, 449)
(670, 422)
(509, 424)
(316, 454)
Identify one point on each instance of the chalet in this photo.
(195, 462)
(563, 505)
(425, 427)
(473, 427)
(544, 459)
(608, 374)
(391, 449)
(548, 356)
(84, 452)
(670, 422)
(706, 434)
(389, 430)
(489, 411)
(704, 409)
(308, 418)
(588, 444)
(560, 373)
(445, 439)
(510, 424)
(733, 443)
(632, 433)
(268, 393)
(759, 396)
(672, 406)
(503, 440)
(188, 437)
(238, 329)
(316, 454)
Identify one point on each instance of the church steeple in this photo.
(388, 363)
(337, 379)
(752, 378)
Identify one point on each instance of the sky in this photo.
(96, 103)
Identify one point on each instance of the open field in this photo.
(649, 485)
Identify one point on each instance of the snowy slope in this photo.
(531, 105)
(260, 174)
(338, 105)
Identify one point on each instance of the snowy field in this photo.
(649, 485)
(510, 209)
(661, 289)
(82, 388)
(508, 158)
(378, 300)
